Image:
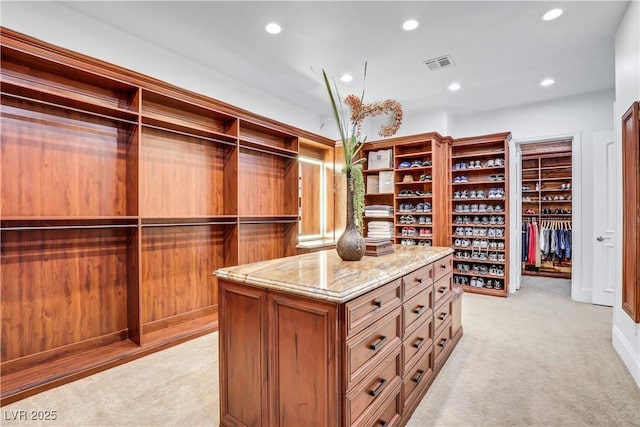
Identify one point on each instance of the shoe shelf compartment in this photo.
(480, 164)
(547, 172)
(414, 174)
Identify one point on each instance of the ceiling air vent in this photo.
(439, 62)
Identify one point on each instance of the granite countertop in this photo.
(324, 276)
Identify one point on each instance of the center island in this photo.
(312, 340)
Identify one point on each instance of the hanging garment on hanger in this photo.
(567, 245)
(532, 244)
(523, 255)
(538, 258)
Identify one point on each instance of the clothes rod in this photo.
(193, 135)
(273, 153)
(67, 227)
(176, 224)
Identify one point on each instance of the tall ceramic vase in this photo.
(350, 245)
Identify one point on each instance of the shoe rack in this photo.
(547, 197)
(121, 195)
(479, 225)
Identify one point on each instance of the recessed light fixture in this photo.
(273, 28)
(346, 78)
(552, 14)
(454, 86)
(409, 25)
(547, 82)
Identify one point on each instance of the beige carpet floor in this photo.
(534, 359)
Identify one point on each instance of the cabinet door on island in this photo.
(298, 349)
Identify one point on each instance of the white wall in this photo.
(57, 24)
(626, 333)
(581, 116)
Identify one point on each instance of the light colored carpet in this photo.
(534, 359)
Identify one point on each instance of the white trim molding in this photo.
(625, 350)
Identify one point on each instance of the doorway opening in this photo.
(547, 209)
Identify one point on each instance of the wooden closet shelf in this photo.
(117, 116)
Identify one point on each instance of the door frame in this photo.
(515, 214)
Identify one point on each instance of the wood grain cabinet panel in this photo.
(176, 272)
(61, 289)
(62, 163)
(243, 355)
(631, 212)
(303, 368)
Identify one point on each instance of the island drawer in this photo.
(416, 281)
(417, 377)
(442, 313)
(442, 289)
(417, 309)
(368, 308)
(365, 351)
(417, 342)
(442, 342)
(366, 396)
(442, 267)
(391, 413)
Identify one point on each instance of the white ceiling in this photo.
(502, 49)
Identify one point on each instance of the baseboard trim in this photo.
(624, 349)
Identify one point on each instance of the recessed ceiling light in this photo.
(346, 78)
(454, 87)
(547, 82)
(273, 28)
(552, 14)
(409, 25)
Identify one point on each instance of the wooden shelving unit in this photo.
(427, 197)
(547, 198)
(479, 225)
(121, 196)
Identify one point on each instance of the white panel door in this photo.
(605, 213)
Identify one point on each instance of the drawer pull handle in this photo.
(418, 377)
(377, 302)
(418, 279)
(443, 265)
(442, 342)
(442, 316)
(442, 289)
(382, 423)
(419, 343)
(377, 345)
(378, 389)
(419, 309)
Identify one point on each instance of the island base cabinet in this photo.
(292, 355)
(278, 359)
